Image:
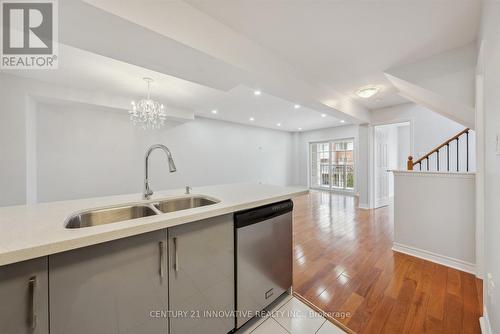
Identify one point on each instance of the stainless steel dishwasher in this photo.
(263, 243)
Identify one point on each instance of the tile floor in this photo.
(290, 315)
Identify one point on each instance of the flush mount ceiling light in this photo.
(148, 113)
(252, 119)
(214, 111)
(297, 106)
(257, 92)
(323, 115)
(342, 121)
(367, 91)
(278, 124)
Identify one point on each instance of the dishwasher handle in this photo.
(257, 215)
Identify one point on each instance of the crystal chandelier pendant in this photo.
(148, 113)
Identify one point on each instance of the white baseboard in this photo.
(436, 258)
(485, 325)
(484, 322)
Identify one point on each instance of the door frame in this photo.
(371, 150)
(480, 166)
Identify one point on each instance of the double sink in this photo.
(102, 216)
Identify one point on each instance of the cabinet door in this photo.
(24, 297)
(201, 276)
(114, 287)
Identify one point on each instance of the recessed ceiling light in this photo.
(323, 115)
(300, 129)
(367, 91)
(252, 119)
(278, 124)
(214, 111)
(257, 92)
(342, 121)
(297, 106)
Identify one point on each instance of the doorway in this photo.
(392, 146)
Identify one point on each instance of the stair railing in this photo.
(436, 150)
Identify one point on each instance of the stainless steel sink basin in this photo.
(183, 203)
(109, 215)
(101, 216)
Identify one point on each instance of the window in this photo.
(332, 165)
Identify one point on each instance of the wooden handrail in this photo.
(412, 163)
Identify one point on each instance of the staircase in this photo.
(454, 151)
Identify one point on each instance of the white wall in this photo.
(491, 103)
(404, 146)
(87, 153)
(81, 150)
(443, 83)
(12, 143)
(17, 114)
(429, 130)
(434, 217)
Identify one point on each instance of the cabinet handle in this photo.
(176, 262)
(31, 310)
(162, 258)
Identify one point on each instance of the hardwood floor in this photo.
(343, 262)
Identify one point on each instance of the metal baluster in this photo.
(467, 149)
(448, 156)
(437, 159)
(457, 157)
(427, 159)
(420, 165)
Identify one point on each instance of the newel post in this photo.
(409, 165)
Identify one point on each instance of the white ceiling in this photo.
(345, 44)
(92, 72)
(240, 103)
(208, 55)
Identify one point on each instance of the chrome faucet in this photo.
(171, 166)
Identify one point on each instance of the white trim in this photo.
(467, 175)
(349, 192)
(480, 154)
(484, 322)
(364, 206)
(436, 258)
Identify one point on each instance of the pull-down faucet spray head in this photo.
(171, 166)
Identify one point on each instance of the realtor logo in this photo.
(29, 34)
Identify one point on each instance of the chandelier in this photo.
(148, 113)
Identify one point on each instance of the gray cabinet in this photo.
(24, 297)
(201, 276)
(114, 287)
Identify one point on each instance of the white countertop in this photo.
(31, 231)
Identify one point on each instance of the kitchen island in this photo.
(168, 272)
(30, 231)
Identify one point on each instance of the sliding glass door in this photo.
(332, 165)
